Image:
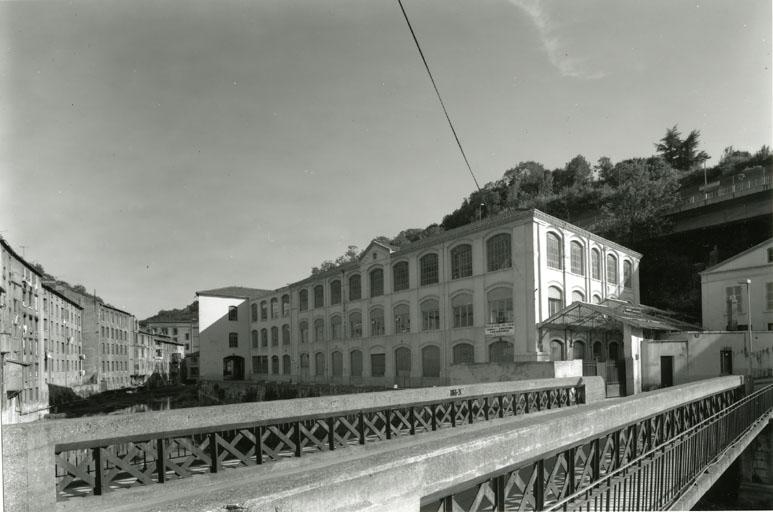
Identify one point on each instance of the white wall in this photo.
(213, 334)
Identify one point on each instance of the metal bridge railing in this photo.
(93, 467)
(594, 474)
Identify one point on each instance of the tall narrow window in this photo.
(355, 366)
(286, 365)
(319, 296)
(428, 269)
(611, 269)
(595, 264)
(355, 324)
(303, 300)
(335, 328)
(264, 337)
(376, 282)
(233, 340)
(376, 322)
(254, 338)
(769, 295)
(335, 292)
(319, 330)
(275, 336)
(275, 365)
(264, 310)
(355, 288)
(285, 305)
(402, 318)
(319, 364)
(577, 258)
(498, 252)
(274, 308)
(627, 270)
(337, 363)
(554, 251)
(377, 365)
(430, 315)
(400, 276)
(304, 331)
(285, 334)
(461, 306)
(555, 300)
(500, 305)
(461, 261)
(254, 311)
(430, 361)
(233, 313)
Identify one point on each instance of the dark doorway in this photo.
(233, 368)
(666, 371)
(725, 362)
(402, 366)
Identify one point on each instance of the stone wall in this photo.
(500, 372)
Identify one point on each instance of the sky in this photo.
(152, 149)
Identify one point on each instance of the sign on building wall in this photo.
(503, 329)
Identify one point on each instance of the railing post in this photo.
(433, 408)
(470, 418)
(297, 439)
(501, 400)
(570, 477)
(258, 433)
(161, 460)
(388, 423)
(331, 434)
(539, 485)
(453, 414)
(499, 492)
(596, 466)
(526, 406)
(214, 464)
(616, 447)
(361, 427)
(412, 419)
(98, 471)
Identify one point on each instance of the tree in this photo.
(603, 169)
(681, 154)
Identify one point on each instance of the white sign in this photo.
(503, 329)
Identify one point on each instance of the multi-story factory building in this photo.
(62, 339)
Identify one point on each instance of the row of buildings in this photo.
(57, 340)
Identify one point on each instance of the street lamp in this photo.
(748, 284)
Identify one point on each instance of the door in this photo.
(666, 371)
(402, 366)
(726, 362)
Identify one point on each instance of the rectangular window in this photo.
(428, 266)
(500, 311)
(377, 365)
(461, 262)
(233, 314)
(430, 320)
(463, 315)
(233, 340)
(769, 295)
(400, 276)
(734, 296)
(335, 292)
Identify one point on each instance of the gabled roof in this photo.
(239, 292)
(741, 254)
(388, 247)
(611, 313)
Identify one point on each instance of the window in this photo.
(355, 360)
(337, 363)
(275, 365)
(500, 305)
(285, 334)
(355, 324)
(255, 364)
(400, 276)
(275, 336)
(596, 299)
(428, 269)
(461, 306)
(627, 273)
(264, 310)
(430, 315)
(355, 287)
(319, 296)
(461, 261)
(554, 251)
(319, 330)
(319, 364)
(769, 295)
(285, 305)
(377, 365)
(335, 328)
(402, 318)
(463, 353)
(264, 337)
(233, 339)
(376, 282)
(577, 258)
(304, 331)
(254, 338)
(430, 361)
(555, 300)
(233, 313)
(770, 254)
(501, 352)
(303, 300)
(335, 292)
(377, 322)
(498, 252)
(725, 361)
(611, 269)
(274, 308)
(577, 297)
(305, 363)
(286, 364)
(254, 310)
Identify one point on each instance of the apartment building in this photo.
(184, 332)
(62, 339)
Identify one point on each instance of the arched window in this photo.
(579, 350)
(463, 353)
(611, 269)
(555, 300)
(319, 364)
(577, 258)
(577, 297)
(402, 318)
(285, 305)
(430, 315)
(377, 364)
(233, 340)
(498, 252)
(319, 296)
(595, 264)
(254, 338)
(430, 361)
(336, 328)
(335, 292)
(286, 365)
(304, 331)
(264, 337)
(274, 336)
(254, 311)
(556, 350)
(596, 299)
(275, 365)
(461, 261)
(500, 305)
(501, 352)
(285, 334)
(376, 322)
(555, 257)
(627, 270)
(319, 330)
(337, 363)
(305, 363)
(355, 324)
(376, 282)
(355, 366)
(402, 362)
(355, 288)
(264, 310)
(428, 269)
(597, 355)
(461, 308)
(274, 308)
(233, 313)
(400, 276)
(303, 300)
